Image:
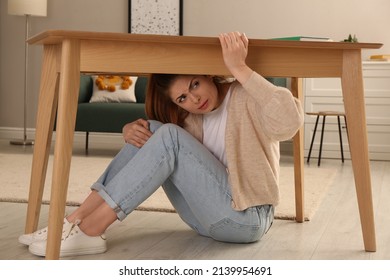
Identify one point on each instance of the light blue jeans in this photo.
(195, 182)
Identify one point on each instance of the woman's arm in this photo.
(280, 113)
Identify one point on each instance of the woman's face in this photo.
(195, 94)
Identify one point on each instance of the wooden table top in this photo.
(57, 36)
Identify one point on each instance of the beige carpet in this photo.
(15, 176)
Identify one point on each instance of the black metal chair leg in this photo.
(341, 139)
(86, 141)
(322, 139)
(312, 139)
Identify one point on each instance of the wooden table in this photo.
(67, 53)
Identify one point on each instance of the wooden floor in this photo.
(333, 233)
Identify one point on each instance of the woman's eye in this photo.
(181, 99)
(195, 85)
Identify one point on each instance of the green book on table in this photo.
(304, 38)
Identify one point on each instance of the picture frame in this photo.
(164, 17)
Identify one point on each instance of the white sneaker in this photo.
(73, 243)
(39, 235)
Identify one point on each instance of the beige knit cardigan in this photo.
(260, 115)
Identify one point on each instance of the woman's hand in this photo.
(235, 50)
(137, 132)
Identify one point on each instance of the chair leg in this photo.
(341, 139)
(322, 139)
(312, 139)
(346, 127)
(86, 141)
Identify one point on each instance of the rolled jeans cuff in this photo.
(101, 191)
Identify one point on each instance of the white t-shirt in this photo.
(214, 126)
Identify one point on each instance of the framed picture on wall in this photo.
(163, 17)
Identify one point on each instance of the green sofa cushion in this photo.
(86, 87)
(280, 82)
(140, 89)
(107, 117)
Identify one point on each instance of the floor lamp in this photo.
(26, 8)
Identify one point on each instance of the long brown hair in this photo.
(158, 104)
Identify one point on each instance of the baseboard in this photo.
(10, 133)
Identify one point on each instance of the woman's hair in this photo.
(158, 104)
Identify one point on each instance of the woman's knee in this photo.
(154, 125)
(168, 129)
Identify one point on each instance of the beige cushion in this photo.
(116, 96)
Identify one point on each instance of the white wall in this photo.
(262, 19)
(368, 19)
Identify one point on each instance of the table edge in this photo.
(57, 36)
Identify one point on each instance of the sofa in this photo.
(107, 117)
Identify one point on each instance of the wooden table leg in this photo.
(66, 118)
(297, 91)
(353, 93)
(47, 106)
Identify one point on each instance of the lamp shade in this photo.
(27, 7)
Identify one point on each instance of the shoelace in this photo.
(43, 231)
(74, 224)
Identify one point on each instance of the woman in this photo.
(212, 145)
